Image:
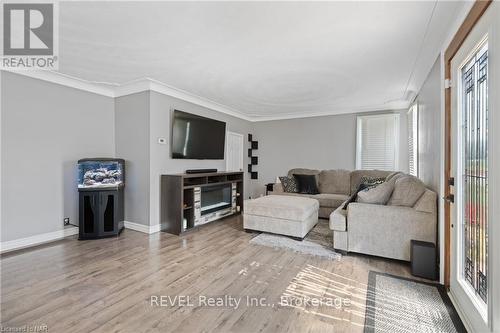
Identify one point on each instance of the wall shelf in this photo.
(254, 160)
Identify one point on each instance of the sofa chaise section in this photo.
(384, 231)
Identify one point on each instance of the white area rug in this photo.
(317, 242)
(397, 304)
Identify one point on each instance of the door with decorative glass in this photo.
(474, 171)
(470, 146)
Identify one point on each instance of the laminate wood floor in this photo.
(115, 284)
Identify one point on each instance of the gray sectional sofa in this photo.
(335, 186)
(376, 229)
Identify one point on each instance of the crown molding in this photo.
(132, 87)
(375, 108)
(117, 90)
(105, 89)
(148, 84)
(114, 90)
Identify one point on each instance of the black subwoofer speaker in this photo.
(423, 259)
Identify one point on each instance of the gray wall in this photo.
(429, 140)
(161, 107)
(327, 142)
(46, 128)
(132, 144)
(140, 120)
(44, 135)
(429, 103)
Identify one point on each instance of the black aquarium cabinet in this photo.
(101, 197)
(101, 213)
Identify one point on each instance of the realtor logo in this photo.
(29, 39)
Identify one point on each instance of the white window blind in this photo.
(413, 140)
(378, 142)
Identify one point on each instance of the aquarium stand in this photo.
(101, 212)
(100, 187)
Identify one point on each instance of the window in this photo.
(413, 140)
(378, 142)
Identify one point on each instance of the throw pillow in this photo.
(378, 195)
(394, 175)
(307, 184)
(289, 184)
(365, 183)
(368, 182)
(407, 190)
(352, 198)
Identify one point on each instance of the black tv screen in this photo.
(196, 137)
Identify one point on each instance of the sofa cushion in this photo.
(366, 183)
(289, 184)
(324, 212)
(335, 181)
(427, 202)
(356, 176)
(302, 171)
(378, 195)
(296, 208)
(407, 190)
(338, 219)
(307, 184)
(394, 176)
(325, 199)
(330, 200)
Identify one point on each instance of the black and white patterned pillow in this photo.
(290, 185)
(367, 183)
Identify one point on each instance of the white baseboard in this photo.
(155, 228)
(22, 243)
(142, 228)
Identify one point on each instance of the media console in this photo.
(191, 200)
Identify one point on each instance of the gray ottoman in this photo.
(281, 214)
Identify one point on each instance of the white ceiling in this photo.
(265, 60)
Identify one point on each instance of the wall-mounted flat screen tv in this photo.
(196, 137)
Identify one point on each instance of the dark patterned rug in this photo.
(397, 304)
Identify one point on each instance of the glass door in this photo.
(470, 213)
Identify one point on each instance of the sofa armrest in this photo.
(387, 230)
(277, 189)
(427, 202)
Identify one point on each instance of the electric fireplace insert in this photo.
(214, 198)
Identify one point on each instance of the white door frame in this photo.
(477, 316)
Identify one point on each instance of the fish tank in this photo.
(101, 172)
